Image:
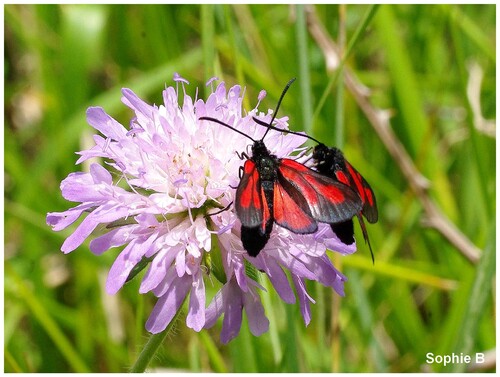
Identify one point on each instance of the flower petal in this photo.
(84, 230)
(167, 305)
(215, 308)
(116, 237)
(326, 236)
(257, 320)
(304, 299)
(138, 105)
(60, 220)
(126, 261)
(277, 276)
(196, 314)
(232, 313)
(159, 267)
(105, 124)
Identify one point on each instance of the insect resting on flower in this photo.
(285, 192)
(331, 162)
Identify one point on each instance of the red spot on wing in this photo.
(369, 196)
(358, 181)
(266, 217)
(288, 214)
(248, 201)
(365, 192)
(333, 192)
(327, 200)
(342, 177)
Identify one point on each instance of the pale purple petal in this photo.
(108, 213)
(180, 264)
(240, 274)
(100, 175)
(196, 314)
(98, 150)
(135, 103)
(146, 220)
(126, 261)
(105, 124)
(323, 270)
(171, 104)
(89, 187)
(159, 267)
(167, 305)
(277, 276)
(295, 266)
(257, 320)
(304, 299)
(114, 238)
(84, 230)
(233, 313)
(60, 220)
(74, 186)
(215, 309)
(169, 279)
(326, 236)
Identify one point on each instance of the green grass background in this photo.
(421, 295)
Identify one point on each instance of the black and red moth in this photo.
(290, 194)
(331, 163)
(285, 192)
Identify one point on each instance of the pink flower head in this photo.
(171, 173)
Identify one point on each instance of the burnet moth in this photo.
(331, 162)
(285, 192)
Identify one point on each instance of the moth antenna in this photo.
(269, 126)
(278, 105)
(225, 125)
(261, 123)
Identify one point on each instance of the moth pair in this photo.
(296, 197)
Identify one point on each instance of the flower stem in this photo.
(152, 346)
(149, 351)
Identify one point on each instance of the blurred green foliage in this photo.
(422, 295)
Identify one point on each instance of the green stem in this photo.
(152, 346)
(149, 351)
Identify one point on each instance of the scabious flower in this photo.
(172, 176)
